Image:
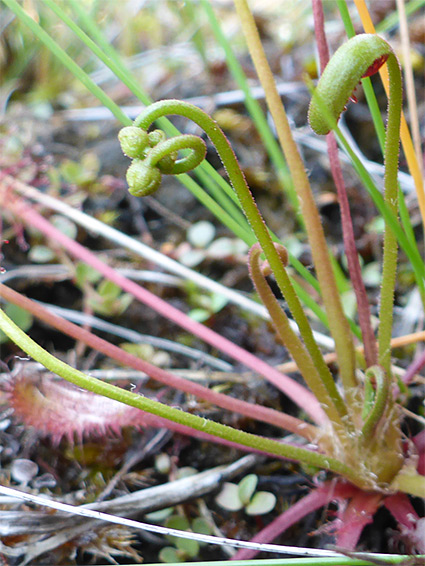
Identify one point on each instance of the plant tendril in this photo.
(321, 384)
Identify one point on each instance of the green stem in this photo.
(362, 56)
(377, 409)
(321, 384)
(167, 147)
(338, 324)
(389, 266)
(176, 415)
(166, 107)
(330, 561)
(255, 110)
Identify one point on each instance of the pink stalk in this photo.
(354, 268)
(401, 509)
(419, 442)
(356, 516)
(412, 527)
(314, 500)
(258, 412)
(414, 368)
(298, 393)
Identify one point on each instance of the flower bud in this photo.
(142, 179)
(155, 137)
(133, 141)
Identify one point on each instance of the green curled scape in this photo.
(360, 57)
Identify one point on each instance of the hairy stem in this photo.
(258, 412)
(379, 404)
(337, 321)
(389, 266)
(322, 385)
(354, 268)
(166, 107)
(176, 415)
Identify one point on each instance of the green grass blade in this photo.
(255, 111)
(330, 561)
(391, 21)
(406, 238)
(67, 61)
(411, 250)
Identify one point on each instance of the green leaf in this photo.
(41, 254)
(247, 487)
(262, 502)
(228, 498)
(170, 554)
(189, 547)
(176, 522)
(200, 315)
(108, 289)
(202, 526)
(19, 316)
(64, 225)
(86, 274)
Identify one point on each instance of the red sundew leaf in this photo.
(59, 409)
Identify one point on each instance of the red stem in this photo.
(295, 391)
(414, 368)
(402, 510)
(319, 32)
(411, 525)
(419, 442)
(224, 401)
(354, 268)
(357, 515)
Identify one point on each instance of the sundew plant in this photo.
(350, 433)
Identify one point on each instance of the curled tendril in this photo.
(360, 57)
(266, 270)
(375, 399)
(324, 390)
(154, 155)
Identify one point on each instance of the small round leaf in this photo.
(228, 498)
(262, 502)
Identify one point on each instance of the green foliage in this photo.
(103, 296)
(234, 497)
(22, 318)
(183, 549)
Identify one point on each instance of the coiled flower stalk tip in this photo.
(360, 57)
(154, 155)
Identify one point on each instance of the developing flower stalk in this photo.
(151, 157)
(154, 155)
(351, 439)
(332, 401)
(361, 57)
